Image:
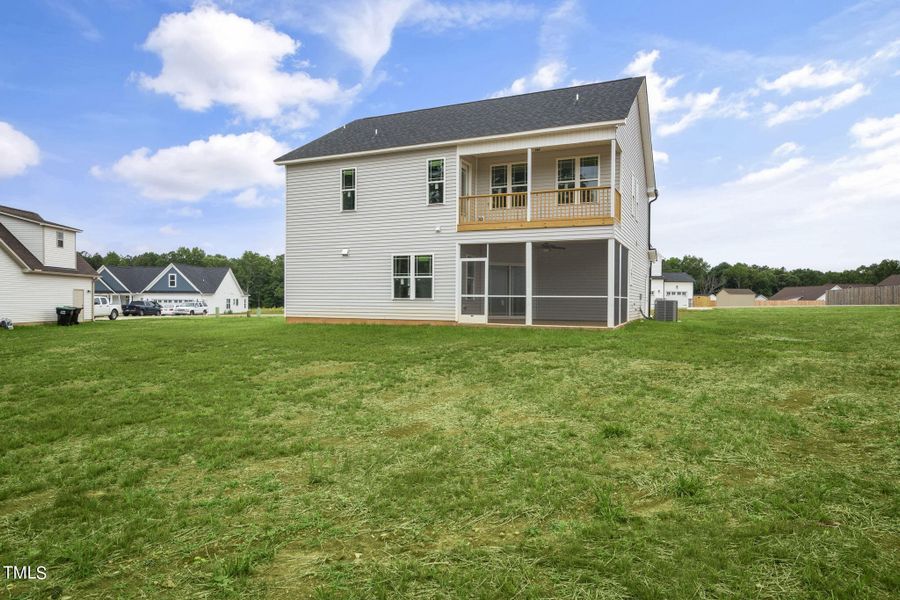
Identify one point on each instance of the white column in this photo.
(458, 281)
(611, 283)
(612, 177)
(529, 265)
(528, 182)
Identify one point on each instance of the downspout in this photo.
(650, 247)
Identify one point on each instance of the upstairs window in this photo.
(499, 186)
(173, 280)
(60, 239)
(518, 175)
(348, 189)
(413, 277)
(436, 181)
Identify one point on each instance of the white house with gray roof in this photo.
(174, 284)
(529, 209)
(40, 268)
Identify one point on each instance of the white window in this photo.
(413, 276)
(583, 172)
(60, 239)
(227, 303)
(173, 280)
(348, 189)
(436, 181)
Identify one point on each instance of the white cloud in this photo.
(871, 133)
(787, 149)
(185, 211)
(691, 106)
(551, 67)
(829, 74)
(364, 29)
(169, 230)
(661, 157)
(223, 163)
(251, 198)
(212, 57)
(805, 109)
(17, 151)
(774, 173)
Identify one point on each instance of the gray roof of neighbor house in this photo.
(82, 267)
(736, 291)
(579, 105)
(136, 279)
(29, 215)
(890, 280)
(678, 277)
(802, 292)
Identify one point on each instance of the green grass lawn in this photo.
(744, 453)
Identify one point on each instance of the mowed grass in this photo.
(744, 453)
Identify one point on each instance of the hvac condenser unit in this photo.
(666, 310)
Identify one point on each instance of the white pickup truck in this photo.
(104, 308)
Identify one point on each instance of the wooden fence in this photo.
(702, 302)
(881, 294)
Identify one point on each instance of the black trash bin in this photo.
(75, 312)
(64, 314)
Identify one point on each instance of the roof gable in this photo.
(566, 107)
(161, 282)
(28, 215)
(802, 292)
(30, 262)
(206, 279)
(135, 279)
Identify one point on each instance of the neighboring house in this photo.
(174, 284)
(529, 209)
(672, 286)
(804, 293)
(40, 268)
(735, 297)
(761, 298)
(890, 280)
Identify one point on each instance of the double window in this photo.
(572, 173)
(509, 178)
(413, 276)
(436, 181)
(348, 189)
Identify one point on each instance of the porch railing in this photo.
(578, 206)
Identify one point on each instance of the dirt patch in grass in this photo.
(407, 430)
(313, 369)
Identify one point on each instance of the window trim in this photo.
(353, 189)
(510, 193)
(60, 239)
(577, 176)
(173, 280)
(412, 276)
(443, 181)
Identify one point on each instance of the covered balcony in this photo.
(566, 186)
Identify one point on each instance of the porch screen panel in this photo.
(570, 281)
(506, 282)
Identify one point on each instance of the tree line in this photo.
(768, 280)
(261, 276)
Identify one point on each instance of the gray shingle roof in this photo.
(678, 277)
(32, 216)
(890, 280)
(206, 279)
(802, 292)
(737, 291)
(135, 278)
(596, 103)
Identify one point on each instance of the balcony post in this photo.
(612, 178)
(528, 193)
(529, 267)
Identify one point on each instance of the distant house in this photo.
(174, 284)
(40, 268)
(890, 280)
(761, 298)
(672, 286)
(735, 297)
(804, 293)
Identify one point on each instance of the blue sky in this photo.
(151, 125)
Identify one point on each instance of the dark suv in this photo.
(141, 308)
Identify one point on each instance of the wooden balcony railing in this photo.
(551, 208)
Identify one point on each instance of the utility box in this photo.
(665, 310)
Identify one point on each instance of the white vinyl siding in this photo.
(59, 257)
(395, 218)
(33, 298)
(30, 234)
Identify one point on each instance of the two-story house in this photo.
(529, 209)
(40, 268)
